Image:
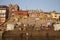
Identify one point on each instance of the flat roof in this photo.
(3, 6)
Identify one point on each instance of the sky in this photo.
(45, 5)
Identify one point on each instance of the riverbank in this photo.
(32, 34)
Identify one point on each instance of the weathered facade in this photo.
(4, 12)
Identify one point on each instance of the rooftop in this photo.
(3, 6)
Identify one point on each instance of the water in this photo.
(31, 38)
(24, 36)
(45, 38)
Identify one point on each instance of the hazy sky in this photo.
(45, 5)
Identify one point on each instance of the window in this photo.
(13, 9)
(0, 11)
(55, 16)
(3, 11)
(2, 19)
(2, 15)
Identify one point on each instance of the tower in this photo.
(12, 9)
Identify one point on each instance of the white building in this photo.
(56, 27)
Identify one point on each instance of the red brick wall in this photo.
(24, 13)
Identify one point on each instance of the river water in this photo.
(31, 38)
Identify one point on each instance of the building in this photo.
(22, 13)
(33, 13)
(55, 15)
(3, 14)
(20, 16)
(13, 8)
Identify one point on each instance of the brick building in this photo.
(21, 13)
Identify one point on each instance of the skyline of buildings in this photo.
(29, 19)
(34, 18)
